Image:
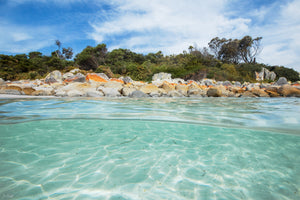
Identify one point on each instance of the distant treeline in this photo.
(226, 59)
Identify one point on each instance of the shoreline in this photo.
(57, 85)
(13, 96)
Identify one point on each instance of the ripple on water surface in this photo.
(140, 159)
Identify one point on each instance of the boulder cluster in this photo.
(76, 84)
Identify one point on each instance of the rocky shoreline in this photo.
(76, 84)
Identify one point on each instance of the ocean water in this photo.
(167, 148)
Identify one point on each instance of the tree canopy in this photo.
(225, 59)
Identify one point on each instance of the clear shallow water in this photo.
(210, 148)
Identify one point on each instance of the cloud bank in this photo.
(152, 25)
(170, 25)
(173, 25)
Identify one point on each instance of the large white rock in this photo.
(109, 92)
(54, 77)
(162, 76)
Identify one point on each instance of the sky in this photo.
(145, 26)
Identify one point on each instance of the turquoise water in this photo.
(209, 148)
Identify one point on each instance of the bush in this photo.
(288, 73)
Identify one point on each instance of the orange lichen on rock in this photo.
(191, 81)
(95, 77)
(117, 80)
(70, 80)
(173, 84)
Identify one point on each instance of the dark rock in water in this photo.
(227, 83)
(53, 77)
(281, 81)
(138, 94)
(214, 92)
(127, 79)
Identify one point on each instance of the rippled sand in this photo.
(124, 159)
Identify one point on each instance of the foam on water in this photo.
(150, 149)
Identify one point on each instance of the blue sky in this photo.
(151, 25)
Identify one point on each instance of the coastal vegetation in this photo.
(225, 59)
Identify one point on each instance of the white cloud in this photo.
(170, 25)
(21, 39)
(173, 25)
(281, 37)
(14, 2)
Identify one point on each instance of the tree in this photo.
(34, 54)
(215, 46)
(92, 57)
(229, 51)
(249, 48)
(67, 53)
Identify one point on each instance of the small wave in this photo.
(271, 114)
